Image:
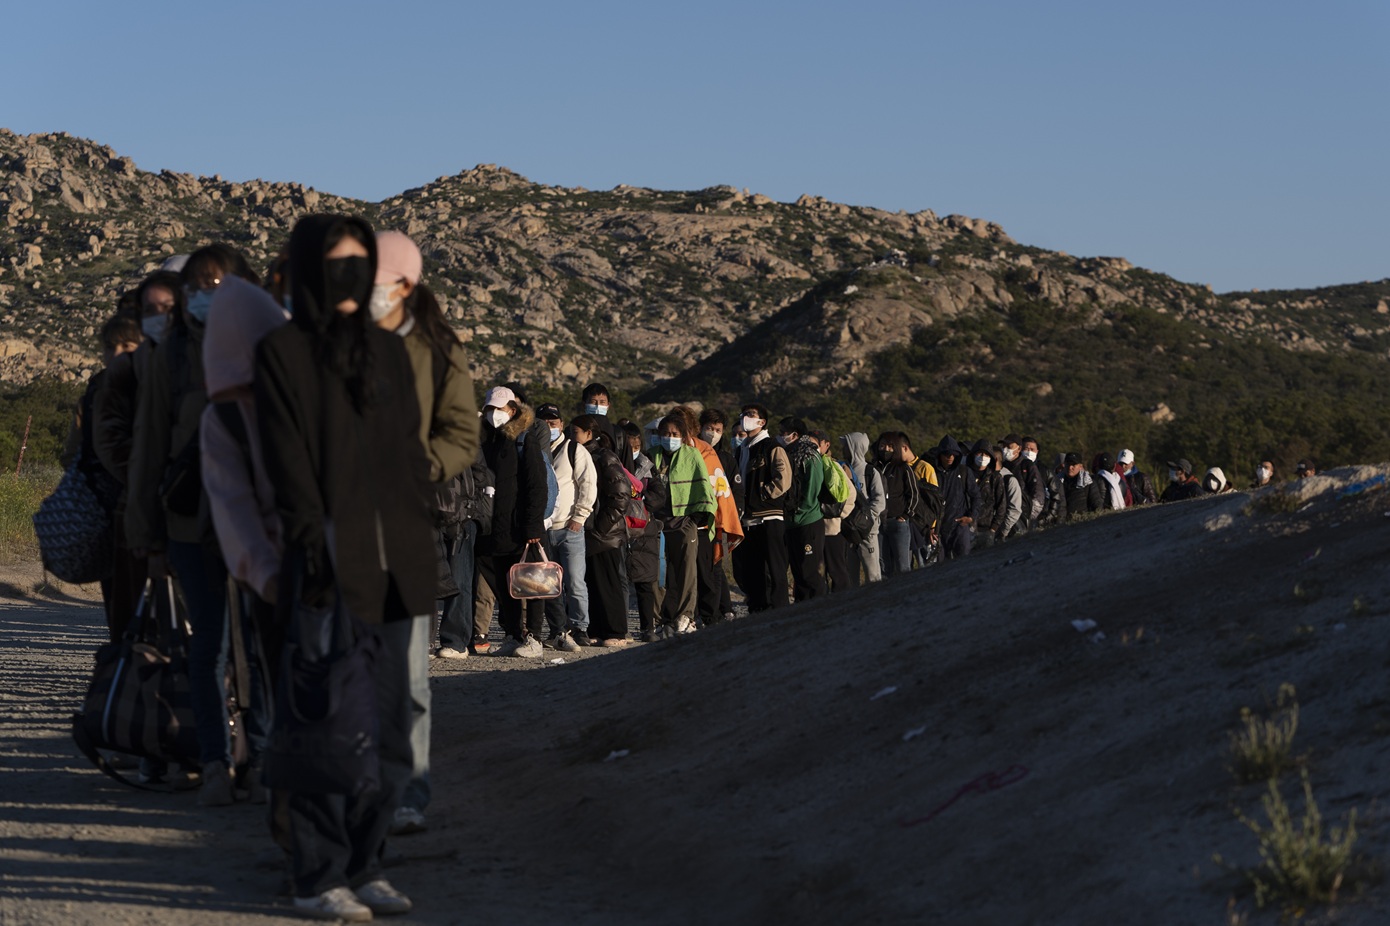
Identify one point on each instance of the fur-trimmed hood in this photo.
(519, 423)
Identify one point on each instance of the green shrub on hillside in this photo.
(52, 405)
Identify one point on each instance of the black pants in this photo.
(707, 581)
(493, 570)
(607, 593)
(337, 840)
(837, 562)
(805, 550)
(956, 542)
(760, 565)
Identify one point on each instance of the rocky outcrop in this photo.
(555, 285)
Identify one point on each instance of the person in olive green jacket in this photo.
(449, 433)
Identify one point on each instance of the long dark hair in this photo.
(228, 261)
(429, 316)
(342, 344)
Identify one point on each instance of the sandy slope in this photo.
(765, 783)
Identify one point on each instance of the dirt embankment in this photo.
(941, 748)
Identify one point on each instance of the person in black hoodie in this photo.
(994, 501)
(339, 423)
(960, 498)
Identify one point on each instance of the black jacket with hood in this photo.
(351, 483)
(959, 493)
(518, 505)
(994, 502)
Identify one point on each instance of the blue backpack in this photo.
(552, 485)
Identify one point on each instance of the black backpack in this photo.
(856, 526)
(925, 506)
(466, 497)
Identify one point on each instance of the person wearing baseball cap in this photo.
(1182, 484)
(514, 454)
(1141, 487)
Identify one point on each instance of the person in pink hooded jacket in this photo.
(240, 497)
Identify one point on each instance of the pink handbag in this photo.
(542, 579)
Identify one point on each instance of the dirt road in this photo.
(941, 748)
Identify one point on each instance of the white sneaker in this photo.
(407, 820)
(338, 903)
(381, 897)
(565, 643)
(684, 625)
(531, 649)
(448, 652)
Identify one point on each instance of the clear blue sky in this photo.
(1241, 144)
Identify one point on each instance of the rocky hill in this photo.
(555, 286)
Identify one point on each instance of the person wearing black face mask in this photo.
(339, 423)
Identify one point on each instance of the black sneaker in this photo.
(581, 637)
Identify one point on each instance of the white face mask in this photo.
(1174, 475)
(592, 409)
(1031, 456)
(980, 460)
(154, 326)
(1010, 454)
(670, 444)
(752, 424)
(383, 303)
(554, 435)
(709, 437)
(1263, 473)
(499, 417)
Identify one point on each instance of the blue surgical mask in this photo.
(199, 303)
(592, 409)
(738, 441)
(671, 444)
(554, 435)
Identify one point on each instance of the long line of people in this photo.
(318, 439)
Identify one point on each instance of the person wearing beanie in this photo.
(403, 304)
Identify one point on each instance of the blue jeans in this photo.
(203, 580)
(568, 550)
(456, 629)
(896, 541)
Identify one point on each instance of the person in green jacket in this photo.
(679, 494)
(805, 523)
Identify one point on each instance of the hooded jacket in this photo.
(239, 492)
(351, 479)
(1082, 493)
(960, 495)
(857, 449)
(518, 502)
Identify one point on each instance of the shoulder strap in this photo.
(572, 453)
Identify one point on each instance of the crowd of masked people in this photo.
(314, 435)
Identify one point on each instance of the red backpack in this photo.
(635, 507)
